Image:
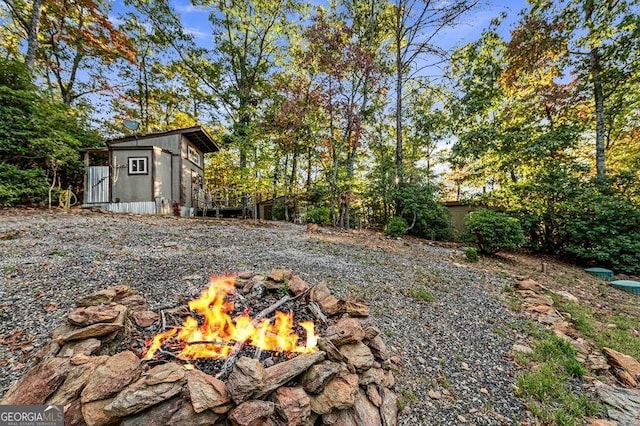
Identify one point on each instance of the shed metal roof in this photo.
(196, 134)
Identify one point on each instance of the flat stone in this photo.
(142, 395)
(315, 377)
(101, 297)
(373, 394)
(80, 347)
(625, 362)
(280, 275)
(528, 284)
(567, 296)
(623, 405)
(246, 379)
(122, 291)
(369, 327)
(389, 408)
(293, 404)
(135, 303)
(319, 292)
(206, 391)
(145, 319)
(331, 350)
(356, 308)
(372, 375)
(345, 331)
(379, 348)
(83, 316)
(165, 373)
(359, 355)
(112, 376)
(550, 318)
(339, 393)
(297, 285)
(389, 380)
(282, 372)
(94, 415)
(538, 299)
(73, 414)
(331, 305)
(186, 415)
(157, 414)
(38, 383)
(364, 412)
(251, 413)
(76, 380)
(246, 275)
(65, 334)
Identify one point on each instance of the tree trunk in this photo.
(32, 33)
(598, 95)
(399, 75)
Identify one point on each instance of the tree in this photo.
(39, 139)
(602, 41)
(27, 16)
(77, 38)
(415, 25)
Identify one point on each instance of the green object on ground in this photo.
(603, 273)
(627, 285)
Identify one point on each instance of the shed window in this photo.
(138, 166)
(194, 156)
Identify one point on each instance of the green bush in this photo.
(22, 186)
(429, 218)
(277, 213)
(492, 231)
(319, 215)
(471, 253)
(601, 228)
(396, 227)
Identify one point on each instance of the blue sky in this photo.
(196, 22)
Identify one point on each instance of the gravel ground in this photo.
(457, 345)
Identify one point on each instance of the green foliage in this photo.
(471, 253)
(583, 220)
(425, 216)
(492, 231)
(21, 186)
(38, 138)
(277, 213)
(396, 227)
(319, 215)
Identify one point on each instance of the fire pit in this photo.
(251, 350)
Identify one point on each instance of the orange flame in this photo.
(218, 333)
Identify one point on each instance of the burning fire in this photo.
(218, 333)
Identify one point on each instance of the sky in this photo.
(196, 22)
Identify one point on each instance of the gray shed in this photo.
(149, 173)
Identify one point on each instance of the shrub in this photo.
(420, 208)
(492, 231)
(319, 215)
(471, 253)
(396, 227)
(601, 228)
(22, 186)
(277, 213)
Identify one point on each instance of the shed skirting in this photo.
(136, 207)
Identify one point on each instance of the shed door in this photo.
(97, 190)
